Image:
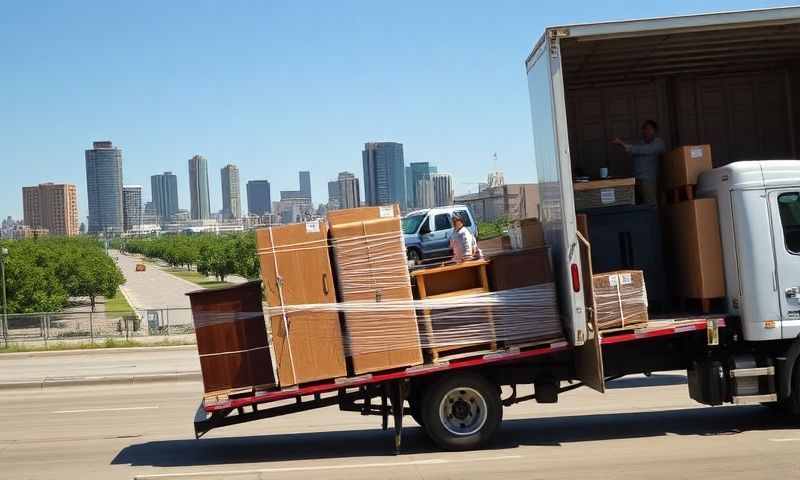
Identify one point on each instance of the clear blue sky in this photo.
(275, 87)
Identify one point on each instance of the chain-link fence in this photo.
(87, 325)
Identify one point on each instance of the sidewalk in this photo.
(102, 366)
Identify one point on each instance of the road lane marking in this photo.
(410, 463)
(784, 439)
(115, 409)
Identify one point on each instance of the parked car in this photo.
(427, 232)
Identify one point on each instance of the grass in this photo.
(196, 278)
(118, 304)
(107, 343)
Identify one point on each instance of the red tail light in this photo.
(576, 278)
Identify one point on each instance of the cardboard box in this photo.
(683, 165)
(231, 339)
(370, 259)
(494, 245)
(620, 298)
(526, 233)
(350, 215)
(296, 269)
(604, 193)
(697, 248)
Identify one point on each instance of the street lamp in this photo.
(3, 255)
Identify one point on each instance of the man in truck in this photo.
(646, 155)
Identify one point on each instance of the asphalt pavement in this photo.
(50, 369)
(642, 428)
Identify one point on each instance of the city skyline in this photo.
(343, 192)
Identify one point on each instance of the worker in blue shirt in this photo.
(646, 155)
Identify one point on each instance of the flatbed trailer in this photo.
(545, 366)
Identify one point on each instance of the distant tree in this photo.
(98, 278)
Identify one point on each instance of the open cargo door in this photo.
(589, 356)
(554, 172)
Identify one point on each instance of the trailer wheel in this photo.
(461, 412)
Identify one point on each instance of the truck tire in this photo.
(461, 411)
(414, 256)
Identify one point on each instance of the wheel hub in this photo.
(463, 411)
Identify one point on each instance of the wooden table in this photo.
(448, 281)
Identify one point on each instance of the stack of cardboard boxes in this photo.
(693, 226)
(356, 257)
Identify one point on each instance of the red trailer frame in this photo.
(214, 414)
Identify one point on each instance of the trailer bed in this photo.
(653, 329)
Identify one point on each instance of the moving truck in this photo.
(731, 80)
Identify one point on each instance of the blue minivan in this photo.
(427, 232)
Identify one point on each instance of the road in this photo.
(26, 367)
(153, 288)
(642, 428)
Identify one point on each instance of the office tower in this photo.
(349, 190)
(415, 172)
(259, 200)
(131, 207)
(51, 206)
(149, 215)
(164, 192)
(423, 192)
(333, 195)
(198, 188)
(384, 173)
(442, 189)
(104, 188)
(305, 184)
(231, 195)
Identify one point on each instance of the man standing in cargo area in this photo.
(645, 155)
(462, 242)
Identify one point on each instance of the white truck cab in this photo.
(759, 218)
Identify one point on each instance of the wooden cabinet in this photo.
(231, 339)
(371, 270)
(455, 331)
(296, 269)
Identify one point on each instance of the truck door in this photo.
(785, 211)
(557, 201)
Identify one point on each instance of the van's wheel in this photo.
(462, 411)
(413, 256)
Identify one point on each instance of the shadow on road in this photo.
(553, 431)
(655, 380)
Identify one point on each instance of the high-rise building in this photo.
(104, 188)
(415, 172)
(259, 200)
(231, 194)
(305, 183)
(333, 195)
(442, 189)
(131, 207)
(149, 215)
(51, 206)
(198, 188)
(164, 191)
(349, 190)
(384, 173)
(423, 191)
